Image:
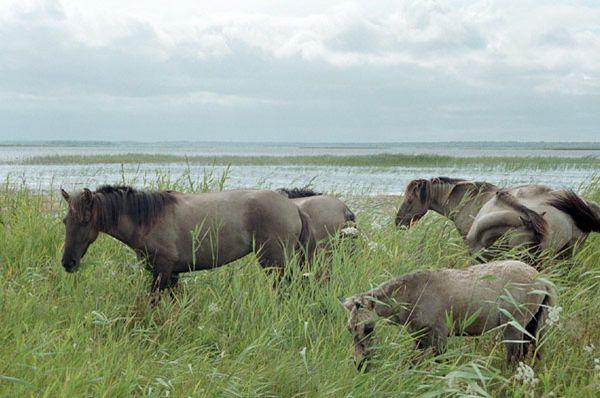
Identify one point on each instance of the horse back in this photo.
(212, 229)
(475, 294)
(327, 214)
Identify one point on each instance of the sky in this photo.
(300, 71)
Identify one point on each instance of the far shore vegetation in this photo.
(378, 160)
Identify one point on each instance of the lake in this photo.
(344, 180)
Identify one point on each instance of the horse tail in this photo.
(293, 193)
(306, 240)
(532, 219)
(349, 216)
(536, 324)
(582, 213)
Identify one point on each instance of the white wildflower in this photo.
(589, 348)
(372, 245)
(375, 225)
(597, 364)
(349, 231)
(213, 308)
(303, 356)
(553, 315)
(526, 375)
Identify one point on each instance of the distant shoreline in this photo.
(376, 160)
(547, 145)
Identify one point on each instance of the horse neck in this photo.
(461, 210)
(391, 296)
(125, 232)
(439, 199)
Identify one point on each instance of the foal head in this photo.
(361, 323)
(80, 227)
(417, 197)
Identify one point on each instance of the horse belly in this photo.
(213, 246)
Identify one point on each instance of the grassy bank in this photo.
(380, 160)
(228, 333)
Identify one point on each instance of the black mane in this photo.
(583, 216)
(447, 180)
(297, 192)
(141, 206)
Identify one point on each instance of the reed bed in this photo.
(511, 163)
(227, 332)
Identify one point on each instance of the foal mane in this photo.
(143, 207)
(293, 193)
(533, 219)
(581, 213)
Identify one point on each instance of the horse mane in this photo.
(142, 207)
(446, 180)
(426, 185)
(293, 193)
(582, 214)
(533, 219)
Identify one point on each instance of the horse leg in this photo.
(173, 281)
(435, 337)
(271, 257)
(161, 279)
(514, 343)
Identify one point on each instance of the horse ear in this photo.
(424, 192)
(87, 195)
(64, 194)
(347, 303)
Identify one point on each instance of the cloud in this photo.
(407, 66)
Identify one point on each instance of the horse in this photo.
(327, 214)
(536, 216)
(175, 232)
(437, 303)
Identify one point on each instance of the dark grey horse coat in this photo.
(177, 232)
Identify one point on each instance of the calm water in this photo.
(469, 149)
(345, 180)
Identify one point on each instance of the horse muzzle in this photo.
(70, 265)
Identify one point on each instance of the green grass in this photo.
(228, 333)
(380, 160)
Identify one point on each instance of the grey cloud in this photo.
(348, 74)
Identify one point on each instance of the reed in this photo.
(228, 333)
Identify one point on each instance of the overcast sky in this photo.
(300, 71)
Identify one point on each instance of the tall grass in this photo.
(381, 160)
(226, 332)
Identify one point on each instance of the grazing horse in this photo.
(327, 214)
(535, 215)
(176, 232)
(437, 303)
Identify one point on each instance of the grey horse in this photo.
(535, 215)
(327, 214)
(437, 303)
(177, 232)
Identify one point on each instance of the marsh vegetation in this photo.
(227, 332)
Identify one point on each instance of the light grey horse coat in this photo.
(536, 216)
(327, 214)
(437, 303)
